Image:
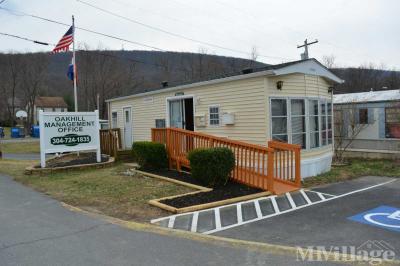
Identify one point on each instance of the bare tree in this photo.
(103, 73)
(166, 67)
(329, 61)
(34, 74)
(253, 56)
(347, 127)
(10, 71)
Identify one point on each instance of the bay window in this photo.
(313, 123)
(279, 119)
(329, 117)
(298, 122)
(306, 122)
(323, 115)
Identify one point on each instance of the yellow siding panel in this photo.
(248, 99)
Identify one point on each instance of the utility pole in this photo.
(305, 45)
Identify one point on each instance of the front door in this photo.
(127, 127)
(176, 113)
(181, 113)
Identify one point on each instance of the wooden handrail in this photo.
(287, 162)
(110, 141)
(255, 165)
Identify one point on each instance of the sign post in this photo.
(69, 132)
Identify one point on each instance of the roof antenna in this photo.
(304, 56)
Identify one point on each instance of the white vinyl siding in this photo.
(249, 108)
(248, 99)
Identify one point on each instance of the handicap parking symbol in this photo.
(383, 216)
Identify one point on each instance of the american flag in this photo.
(65, 42)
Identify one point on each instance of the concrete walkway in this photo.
(37, 230)
(22, 156)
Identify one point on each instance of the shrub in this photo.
(150, 155)
(212, 166)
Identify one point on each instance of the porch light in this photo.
(279, 85)
(330, 89)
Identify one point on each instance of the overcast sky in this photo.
(354, 31)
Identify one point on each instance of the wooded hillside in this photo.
(117, 73)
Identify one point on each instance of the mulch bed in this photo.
(73, 159)
(231, 190)
(185, 177)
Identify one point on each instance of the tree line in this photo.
(104, 74)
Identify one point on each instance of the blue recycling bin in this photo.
(1, 132)
(17, 132)
(35, 132)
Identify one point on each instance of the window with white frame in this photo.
(306, 122)
(114, 120)
(313, 123)
(214, 115)
(279, 117)
(326, 122)
(298, 122)
(324, 139)
(329, 117)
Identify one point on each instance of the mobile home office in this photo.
(291, 102)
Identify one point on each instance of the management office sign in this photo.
(68, 132)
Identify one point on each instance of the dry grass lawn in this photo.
(107, 190)
(111, 192)
(356, 168)
(20, 147)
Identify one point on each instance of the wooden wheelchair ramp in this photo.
(275, 168)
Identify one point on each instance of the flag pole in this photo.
(74, 64)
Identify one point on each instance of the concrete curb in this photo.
(157, 203)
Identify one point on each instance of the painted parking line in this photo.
(237, 214)
(241, 211)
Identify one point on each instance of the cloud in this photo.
(353, 30)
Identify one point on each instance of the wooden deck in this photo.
(275, 168)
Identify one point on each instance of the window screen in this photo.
(114, 120)
(160, 123)
(214, 115)
(279, 119)
(363, 116)
(392, 122)
(298, 122)
(313, 123)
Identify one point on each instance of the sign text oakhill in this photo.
(68, 132)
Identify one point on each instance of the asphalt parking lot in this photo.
(336, 222)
